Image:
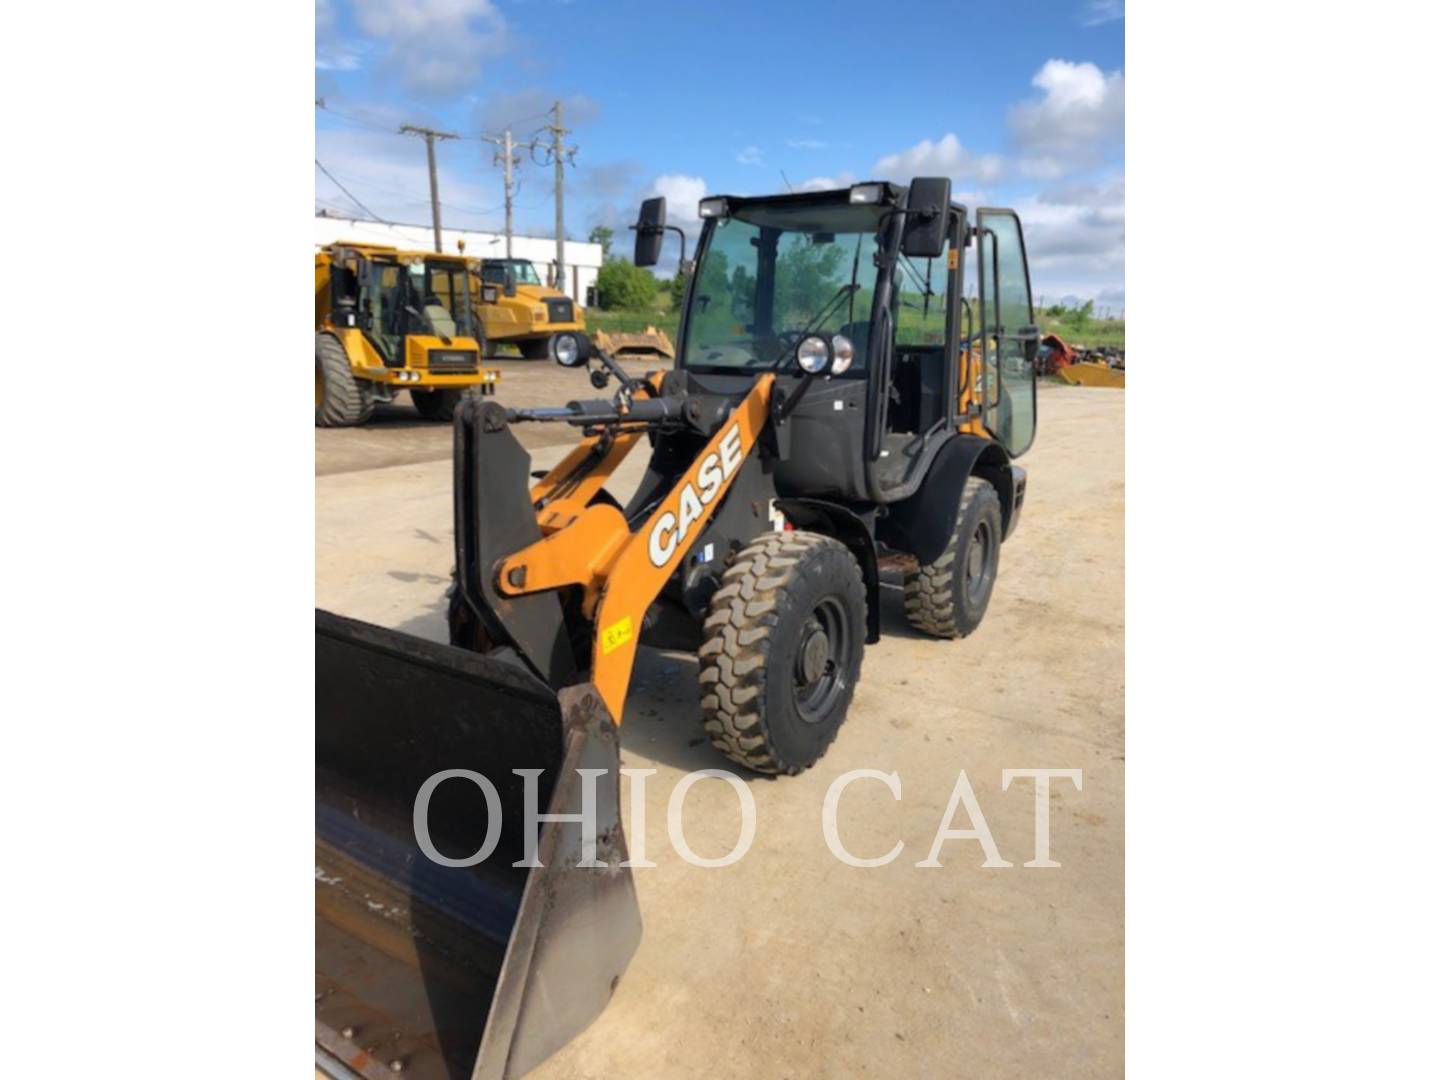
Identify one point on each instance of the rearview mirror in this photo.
(927, 214)
(650, 231)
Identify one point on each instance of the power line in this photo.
(370, 125)
(352, 198)
(364, 182)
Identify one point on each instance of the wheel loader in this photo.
(519, 309)
(388, 320)
(835, 400)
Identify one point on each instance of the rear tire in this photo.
(439, 404)
(537, 348)
(781, 651)
(341, 400)
(948, 598)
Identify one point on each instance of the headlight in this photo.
(813, 354)
(844, 352)
(567, 350)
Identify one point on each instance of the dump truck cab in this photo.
(389, 320)
(519, 309)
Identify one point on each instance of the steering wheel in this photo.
(788, 340)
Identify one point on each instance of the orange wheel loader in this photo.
(835, 399)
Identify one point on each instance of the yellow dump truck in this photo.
(519, 309)
(389, 320)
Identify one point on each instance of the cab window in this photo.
(921, 287)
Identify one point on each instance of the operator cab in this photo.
(508, 273)
(394, 295)
(882, 269)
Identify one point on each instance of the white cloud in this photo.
(434, 45)
(1075, 239)
(827, 183)
(945, 157)
(751, 155)
(1081, 112)
(682, 196)
(806, 144)
(1098, 12)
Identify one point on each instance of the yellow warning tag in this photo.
(954, 259)
(615, 635)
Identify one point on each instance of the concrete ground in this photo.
(790, 963)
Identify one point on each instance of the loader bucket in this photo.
(1086, 373)
(428, 970)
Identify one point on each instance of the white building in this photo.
(582, 261)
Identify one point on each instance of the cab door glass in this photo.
(1008, 334)
(921, 288)
(385, 298)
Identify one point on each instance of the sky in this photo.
(1020, 104)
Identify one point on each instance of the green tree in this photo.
(623, 286)
(604, 236)
(677, 289)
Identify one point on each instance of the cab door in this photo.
(1008, 335)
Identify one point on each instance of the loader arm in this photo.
(622, 570)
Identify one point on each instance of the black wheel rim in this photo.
(977, 563)
(821, 660)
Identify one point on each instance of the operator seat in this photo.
(440, 321)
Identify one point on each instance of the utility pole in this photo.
(431, 135)
(506, 156)
(559, 153)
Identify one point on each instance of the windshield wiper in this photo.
(824, 313)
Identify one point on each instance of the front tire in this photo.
(341, 400)
(438, 404)
(781, 651)
(538, 348)
(948, 598)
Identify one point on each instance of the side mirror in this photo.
(509, 281)
(489, 294)
(927, 213)
(650, 231)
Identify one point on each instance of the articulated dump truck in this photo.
(835, 399)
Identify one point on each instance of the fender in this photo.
(923, 523)
(852, 530)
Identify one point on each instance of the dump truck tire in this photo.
(341, 400)
(537, 348)
(781, 651)
(948, 598)
(438, 404)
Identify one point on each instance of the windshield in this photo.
(447, 298)
(494, 271)
(771, 274)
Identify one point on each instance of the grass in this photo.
(1093, 333)
(631, 322)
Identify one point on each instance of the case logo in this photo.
(668, 533)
